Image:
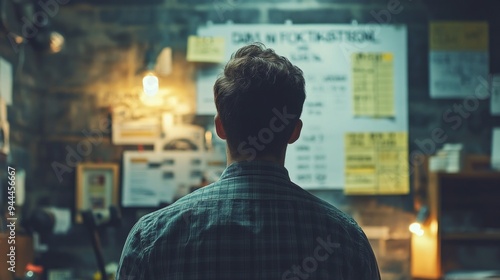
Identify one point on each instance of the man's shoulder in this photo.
(337, 217)
(178, 209)
(183, 208)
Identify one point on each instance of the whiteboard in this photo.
(323, 52)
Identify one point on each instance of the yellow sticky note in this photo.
(459, 36)
(205, 49)
(373, 84)
(376, 163)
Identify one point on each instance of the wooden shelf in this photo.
(492, 235)
(475, 190)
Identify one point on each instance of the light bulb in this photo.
(416, 228)
(150, 85)
(56, 42)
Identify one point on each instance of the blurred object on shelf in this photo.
(448, 159)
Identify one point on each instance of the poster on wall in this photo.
(6, 80)
(356, 81)
(131, 130)
(205, 49)
(458, 58)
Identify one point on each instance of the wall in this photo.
(60, 98)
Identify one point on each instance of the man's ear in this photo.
(296, 132)
(219, 128)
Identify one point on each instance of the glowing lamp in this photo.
(150, 84)
(422, 216)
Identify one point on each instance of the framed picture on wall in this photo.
(96, 187)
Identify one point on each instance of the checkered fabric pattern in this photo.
(253, 223)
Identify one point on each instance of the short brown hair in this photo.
(257, 90)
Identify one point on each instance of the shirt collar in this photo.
(242, 168)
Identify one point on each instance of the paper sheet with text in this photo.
(458, 58)
(376, 163)
(205, 49)
(494, 90)
(373, 84)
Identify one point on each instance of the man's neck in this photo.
(269, 158)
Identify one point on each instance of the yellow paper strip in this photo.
(373, 84)
(458, 36)
(376, 163)
(206, 49)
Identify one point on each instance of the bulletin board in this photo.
(356, 82)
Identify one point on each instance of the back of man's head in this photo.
(259, 99)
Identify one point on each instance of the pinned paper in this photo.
(458, 58)
(495, 150)
(6, 81)
(151, 178)
(373, 84)
(495, 95)
(376, 163)
(459, 36)
(206, 49)
(130, 131)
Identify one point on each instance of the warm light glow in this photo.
(18, 39)
(150, 84)
(416, 228)
(434, 226)
(208, 139)
(56, 42)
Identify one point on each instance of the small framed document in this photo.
(96, 187)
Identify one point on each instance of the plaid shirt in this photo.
(253, 223)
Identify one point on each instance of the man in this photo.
(253, 223)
